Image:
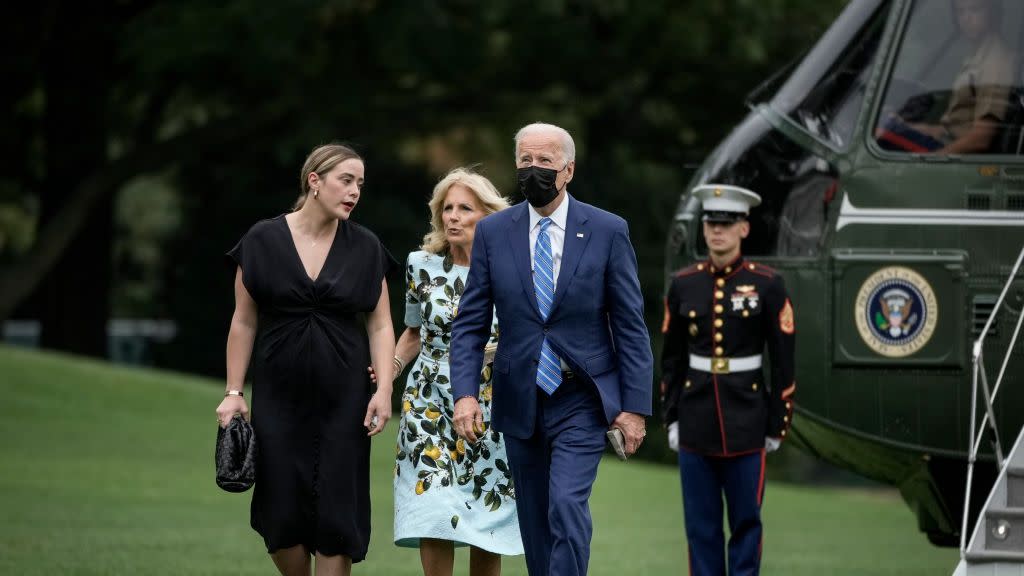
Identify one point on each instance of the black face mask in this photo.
(537, 184)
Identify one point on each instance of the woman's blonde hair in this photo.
(490, 199)
(322, 160)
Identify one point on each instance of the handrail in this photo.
(978, 373)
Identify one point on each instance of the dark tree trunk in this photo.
(73, 300)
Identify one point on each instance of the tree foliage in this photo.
(215, 104)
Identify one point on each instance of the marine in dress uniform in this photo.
(720, 317)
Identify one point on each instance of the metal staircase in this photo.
(997, 544)
(996, 547)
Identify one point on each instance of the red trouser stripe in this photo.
(760, 498)
(760, 482)
(721, 421)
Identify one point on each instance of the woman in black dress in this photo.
(311, 310)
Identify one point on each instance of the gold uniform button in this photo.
(688, 383)
(719, 351)
(700, 266)
(718, 322)
(785, 418)
(718, 337)
(750, 266)
(719, 295)
(754, 386)
(783, 433)
(718, 308)
(712, 269)
(788, 405)
(693, 313)
(721, 282)
(746, 313)
(728, 269)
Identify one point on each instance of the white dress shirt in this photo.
(556, 231)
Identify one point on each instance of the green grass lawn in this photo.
(109, 470)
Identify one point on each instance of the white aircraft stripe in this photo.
(850, 214)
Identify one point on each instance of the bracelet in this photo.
(238, 393)
(398, 364)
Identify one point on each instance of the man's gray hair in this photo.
(568, 146)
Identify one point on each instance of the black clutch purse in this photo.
(236, 455)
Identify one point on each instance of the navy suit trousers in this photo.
(554, 471)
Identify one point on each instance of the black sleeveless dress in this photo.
(310, 388)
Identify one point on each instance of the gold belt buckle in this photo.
(719, 365)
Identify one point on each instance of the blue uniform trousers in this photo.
(704, 479)
(554, 471)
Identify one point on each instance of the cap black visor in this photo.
(721, 217)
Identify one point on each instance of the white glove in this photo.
(771, 444)
(673, 436)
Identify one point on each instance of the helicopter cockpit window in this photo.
(962, 95)
(825, 93)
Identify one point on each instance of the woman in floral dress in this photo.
(448, 492)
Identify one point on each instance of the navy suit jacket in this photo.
(596, 323)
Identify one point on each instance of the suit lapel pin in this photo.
(579, 234)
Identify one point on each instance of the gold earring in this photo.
(316, 193)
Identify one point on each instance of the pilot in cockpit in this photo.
(980, 95)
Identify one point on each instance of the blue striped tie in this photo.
(549, 371)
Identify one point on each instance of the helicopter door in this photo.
(793, 229)
(790, 229)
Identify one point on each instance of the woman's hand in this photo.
(378, 412)
(230, 406)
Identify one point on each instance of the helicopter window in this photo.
(964, 94)
(825, 93)
(796, 189)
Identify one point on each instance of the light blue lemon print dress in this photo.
(445, 487)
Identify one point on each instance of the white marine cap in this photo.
(724, 202)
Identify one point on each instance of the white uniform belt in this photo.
(722, 365)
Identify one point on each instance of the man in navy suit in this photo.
(574, 357)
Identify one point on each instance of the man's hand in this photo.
(673, 436)
(633, 430)
(468, 419)
(772, 444)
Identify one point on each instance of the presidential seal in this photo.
(896, 311)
